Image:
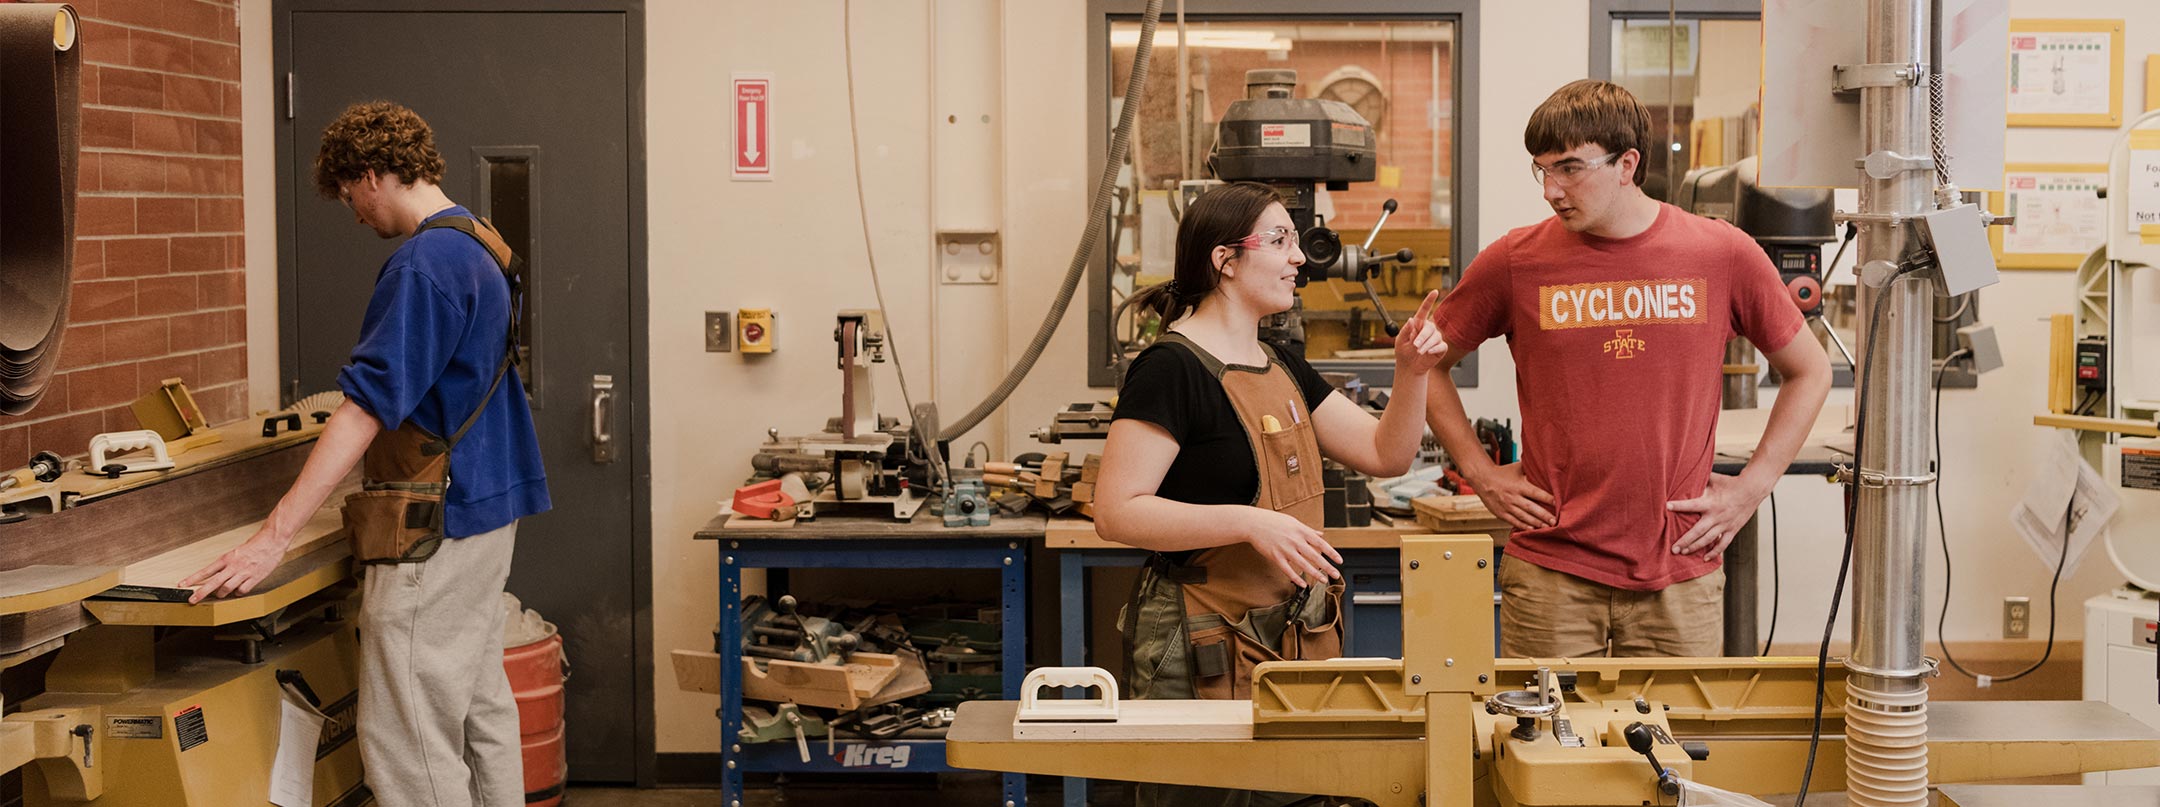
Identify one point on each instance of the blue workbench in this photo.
(865, 543)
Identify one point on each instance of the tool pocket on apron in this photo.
(394, 526)
(1316, 631)
(1289, 453)
(397, 517)
(1224, 655)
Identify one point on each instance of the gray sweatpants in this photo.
(438, 727)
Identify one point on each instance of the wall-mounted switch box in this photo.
(754, 329)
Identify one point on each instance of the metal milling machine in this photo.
(1448, 724)
(1293, 144)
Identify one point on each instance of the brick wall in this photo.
(158, 263)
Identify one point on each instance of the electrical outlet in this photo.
(2017, 617)
(719, 332)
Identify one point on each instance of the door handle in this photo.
(603, 406)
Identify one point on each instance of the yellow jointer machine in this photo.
(142, 699)
(1449, 725)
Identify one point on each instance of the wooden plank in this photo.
(292, 582)
(34, 588)
(2062, 363)
(823, 685)
(1431, 509)
(1154, 720)
(697, 671)
(166, 570)
(2135, 428)
(912, 680)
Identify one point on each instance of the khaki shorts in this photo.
(1549, 614)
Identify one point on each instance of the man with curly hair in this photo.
(437, 724)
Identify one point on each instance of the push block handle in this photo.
(1034, 709)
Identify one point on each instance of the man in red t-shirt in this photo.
(1617, 310)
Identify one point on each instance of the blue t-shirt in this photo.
(429, 346)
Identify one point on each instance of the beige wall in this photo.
(794, 245)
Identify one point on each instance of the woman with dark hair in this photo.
(1213, 462)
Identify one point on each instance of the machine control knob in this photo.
(1640, 738)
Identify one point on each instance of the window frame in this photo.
(1463, 242)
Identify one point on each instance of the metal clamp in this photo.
(1892, 219)
(1888, 164)
(1850, 78)
(1878, 479)
(1930, 668)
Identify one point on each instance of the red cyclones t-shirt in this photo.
(1619, 346)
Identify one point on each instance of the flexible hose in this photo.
(1098, 216)
(1886, 746)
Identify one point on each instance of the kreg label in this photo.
(865, 756)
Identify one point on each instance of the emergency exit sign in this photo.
(753, 126)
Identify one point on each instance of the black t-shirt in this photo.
(1169, 387)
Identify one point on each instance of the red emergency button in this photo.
(2088, 372)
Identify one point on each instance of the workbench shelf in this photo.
(855, 543)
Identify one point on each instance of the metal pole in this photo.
(1741, 576)
(1886, 697)
(1742, 594)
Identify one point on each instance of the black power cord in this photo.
(1777, 576)
(1942, 532)
(1852, 507)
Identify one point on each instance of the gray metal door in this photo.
(531, 112)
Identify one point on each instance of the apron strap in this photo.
(509, 263)
(1207, 360)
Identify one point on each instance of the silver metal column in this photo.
(1741, 594)
(1886, 701)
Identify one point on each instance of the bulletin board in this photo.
(2066, 73)
(2060, 215)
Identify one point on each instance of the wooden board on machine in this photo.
(158, 578)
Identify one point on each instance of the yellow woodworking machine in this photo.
(188, 721)
(1449, 724)
(181, 704)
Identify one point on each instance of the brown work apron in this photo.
(397, 517)
(1197, 629)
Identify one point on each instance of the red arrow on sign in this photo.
(753, 128)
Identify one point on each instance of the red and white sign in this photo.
(753, 126)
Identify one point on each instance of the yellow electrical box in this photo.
(754, 330)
